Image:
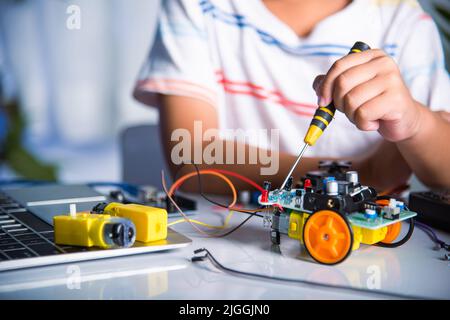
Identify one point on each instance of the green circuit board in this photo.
(358, 219)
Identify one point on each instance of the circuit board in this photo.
(358, 219)
(287, 199)
(293, 200)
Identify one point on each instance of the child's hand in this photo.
(369, 89)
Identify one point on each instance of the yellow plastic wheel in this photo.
(327, 237)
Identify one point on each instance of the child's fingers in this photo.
(362, 93)
(368, 116)
(318, 82)
(357, 75)
(340, 66)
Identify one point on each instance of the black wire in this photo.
(200, 191)
(400, 242)
(220, 266)
(200, 187)
(235, 228)
(405, 238)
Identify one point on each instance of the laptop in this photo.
(26, 230)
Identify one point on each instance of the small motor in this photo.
(93, 230)
(150, 222)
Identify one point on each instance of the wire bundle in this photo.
(221, 174)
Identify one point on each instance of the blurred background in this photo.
(72, 83)
(67, 70)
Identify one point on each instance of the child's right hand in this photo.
(369, 89)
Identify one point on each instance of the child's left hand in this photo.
(369, 89)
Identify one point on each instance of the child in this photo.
(251, 64)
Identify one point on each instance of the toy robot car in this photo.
(332, 214)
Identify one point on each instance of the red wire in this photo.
(241, 177)
(236, 175)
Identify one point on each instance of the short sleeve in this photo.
(422, 64)
(180, 61)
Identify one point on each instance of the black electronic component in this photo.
(344, 187)
(434, 208)
(275, 237)
(316, 201)
(370, 205)
(365, 194)
(288, 184)
(183, 202)
(329, 168)
(391, 216)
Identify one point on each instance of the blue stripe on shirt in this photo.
(241, 22)
(181, 30)
(423, 70)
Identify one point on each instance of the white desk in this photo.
(413, 269)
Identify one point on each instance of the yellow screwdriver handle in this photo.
(324, 114)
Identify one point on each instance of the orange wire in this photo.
(163, 180)
(181, 180)
(176, 185)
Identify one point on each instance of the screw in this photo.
(330, 203)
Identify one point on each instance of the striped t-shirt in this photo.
(258, 74)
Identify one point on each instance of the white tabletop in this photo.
(415, 268)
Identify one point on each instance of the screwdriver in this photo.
(321, 120)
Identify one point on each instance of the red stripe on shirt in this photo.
(260, 93)
(173, 86)
(424, 16)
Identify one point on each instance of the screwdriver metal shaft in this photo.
(294, 166)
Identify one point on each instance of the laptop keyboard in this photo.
(24, 235)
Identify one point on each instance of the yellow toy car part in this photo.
(150, 222)
(93, 230)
